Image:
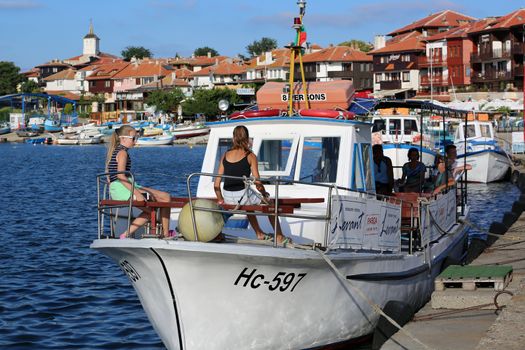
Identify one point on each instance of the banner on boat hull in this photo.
(441, 216)
(361, 223)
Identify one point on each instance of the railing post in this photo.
(194, 223)
(275, 211)
(328, 215)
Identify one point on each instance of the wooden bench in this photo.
(285, 206)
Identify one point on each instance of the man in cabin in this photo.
(383, 171)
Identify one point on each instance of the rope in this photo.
(374, 306)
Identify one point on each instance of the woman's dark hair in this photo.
(412, 149)
(241, 138)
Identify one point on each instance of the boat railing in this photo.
(112, 210)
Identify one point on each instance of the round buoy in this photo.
(209, 224)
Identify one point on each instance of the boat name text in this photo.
(282, 281)
(300, 97)
(129, 270)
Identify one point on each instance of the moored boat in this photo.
(191, 130)
(4, 129)
(489, 161)
(160, 140)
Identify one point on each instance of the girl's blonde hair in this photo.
(124, 130)
(241, 138)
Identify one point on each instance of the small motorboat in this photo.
(160, 140)
(27, 132)
(190, 130)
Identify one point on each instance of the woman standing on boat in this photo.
(240, 161)
(118, 162)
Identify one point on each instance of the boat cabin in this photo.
(396, 128)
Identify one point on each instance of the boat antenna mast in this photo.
(296, 50)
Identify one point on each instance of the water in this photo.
(55, 292)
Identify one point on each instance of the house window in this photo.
(107, 83)
(318, 67)
(91, 84)
(384, 59)
(406, 76)
(55, 70)
(405, 58)
(379, 77)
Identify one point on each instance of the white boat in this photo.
(79, 128)
(67, 141)
(398, 133)
(244, 294)
(191, 130)
(160, 140)
(488, 160)
(89, 137)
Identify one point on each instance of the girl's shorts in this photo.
(242, 197)
(119, 192)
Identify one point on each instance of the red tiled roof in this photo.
(459, 32)
(33, 72)
(168, 80)
(447, 18)
(513, 19)
(411, 41)
(198, 60)
(66, 74)
(280, 58)
(337, 54)
(106, 71)
(143, 69)
(183, 73)
(223, 68)
(54, 64)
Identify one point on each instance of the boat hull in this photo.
(487, 165)
(184, 134)
(234, 296)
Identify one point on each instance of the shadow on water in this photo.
(56, 293)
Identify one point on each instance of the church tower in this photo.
(91, 42)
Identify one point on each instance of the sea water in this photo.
(55, 292)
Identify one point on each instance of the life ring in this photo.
(416, 138)
(326, 113)
(256, 114)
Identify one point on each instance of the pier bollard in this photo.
(518, 207)
(510, 218)
(475, 248)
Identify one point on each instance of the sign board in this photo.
(442, 216)
(245, 91)
(301, 97)
(361, 223)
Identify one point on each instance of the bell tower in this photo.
(91, 42)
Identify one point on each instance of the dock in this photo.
(479, 328)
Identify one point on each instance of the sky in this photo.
(33, 32)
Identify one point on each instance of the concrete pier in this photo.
(478, 329)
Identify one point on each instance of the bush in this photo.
(4, 113)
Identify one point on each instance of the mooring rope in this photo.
(373, 305)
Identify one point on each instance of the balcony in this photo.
(491, 54)
(517, 48)
(491, 76)
(436, 81)
(436, 61)
(345, 74)
(390, 85)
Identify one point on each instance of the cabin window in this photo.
(410, 126)
(470, 131)
(366, 152)
(394, 126)
(379, 125)
(357, 170)
(273, 154)
(224, 145)
(485, 131)
(319, 161)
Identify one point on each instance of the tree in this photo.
(68, 109)
(10, 77)
(166, 101)
(206, 101)
(135, 51)
(258, 47)
(203, 51)
(360, 44)
(30, 86)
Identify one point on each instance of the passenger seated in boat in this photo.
(414, 171)
(118, 160)
(454, 169)
(383, 171)
(241, 162)
(442, 180)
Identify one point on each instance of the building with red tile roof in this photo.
(63, 80)
(227, 72)
(497, 58)
(271, 65)
(101, 77)
(338, 63)
(196, 63)
(397, 61)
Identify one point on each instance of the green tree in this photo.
(135, 51)
(30, 86)
(10, 77)
(360, 44)
(203, 51)
(68, 109)
(258, 47)
(206, 101)
(166, 101)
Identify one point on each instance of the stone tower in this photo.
(91, 42)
